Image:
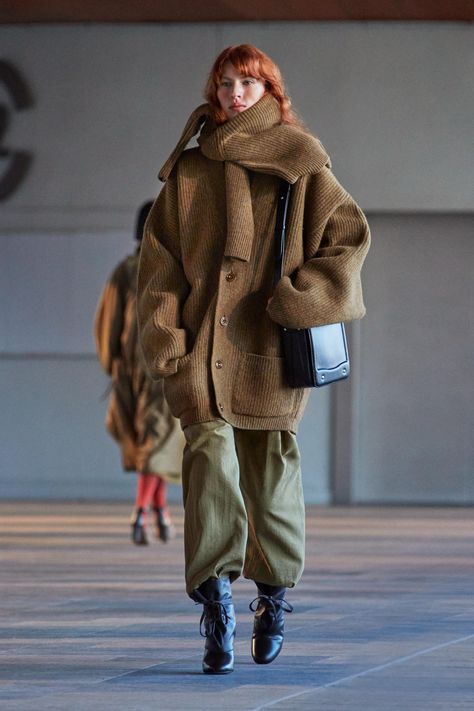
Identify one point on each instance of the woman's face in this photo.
(237, 92)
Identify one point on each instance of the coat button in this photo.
(230, 276)
(219, 364)
(223, 321)
(221, 407)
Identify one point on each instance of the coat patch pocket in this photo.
(260, 389)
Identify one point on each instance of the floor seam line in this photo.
(372, 670)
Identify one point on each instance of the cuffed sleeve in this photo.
(327, 287)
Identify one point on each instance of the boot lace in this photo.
(214, 612)
(272, 607)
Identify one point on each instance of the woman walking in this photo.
(210, 322)
(138, 417)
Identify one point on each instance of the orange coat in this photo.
(138, 416)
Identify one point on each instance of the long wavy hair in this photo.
(250, 62)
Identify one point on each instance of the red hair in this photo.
(250, 62)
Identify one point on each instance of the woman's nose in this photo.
(236, 91)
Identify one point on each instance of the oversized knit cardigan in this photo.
(207, 259)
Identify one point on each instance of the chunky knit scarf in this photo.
(253, 140)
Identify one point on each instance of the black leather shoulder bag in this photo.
(312, 356)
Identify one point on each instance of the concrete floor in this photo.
(384, 616)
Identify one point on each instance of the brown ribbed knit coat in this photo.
(207, 261)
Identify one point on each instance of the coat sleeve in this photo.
(327, 287)
(162, 287)
(108, 322)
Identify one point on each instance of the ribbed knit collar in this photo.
(254, 139)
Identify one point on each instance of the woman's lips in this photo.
(237, 106)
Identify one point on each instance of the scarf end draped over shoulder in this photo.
(192, 127)
(254, 140)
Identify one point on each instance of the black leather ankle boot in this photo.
(164, 527)
(217, 625)
(138, 532)
(269, 607)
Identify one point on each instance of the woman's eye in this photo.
(249, 81)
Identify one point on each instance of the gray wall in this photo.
(416, 393)
(391, 102)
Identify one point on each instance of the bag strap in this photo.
(280, 228)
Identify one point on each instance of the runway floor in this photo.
(383, 617)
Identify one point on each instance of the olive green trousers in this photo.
(243, 503)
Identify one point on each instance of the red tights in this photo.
(150, 489)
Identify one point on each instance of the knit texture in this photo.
(207, 262)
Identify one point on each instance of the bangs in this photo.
(246, 64)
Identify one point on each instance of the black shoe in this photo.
(138, 533)
(217, 625)
(269, 608)
(164, 527)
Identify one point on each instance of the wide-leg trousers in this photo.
(243, 503)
